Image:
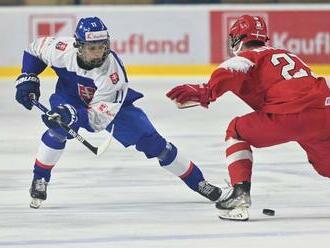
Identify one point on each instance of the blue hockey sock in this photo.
(40, 172)
(171, 160)
(50, 151)
(193, 177)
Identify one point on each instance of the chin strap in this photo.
(237, 48)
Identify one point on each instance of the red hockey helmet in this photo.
(248, 28)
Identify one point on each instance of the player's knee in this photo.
(168, 154)
(231, 129)
(58, 133)
(61, 135)
(152, 145)
(53, 140)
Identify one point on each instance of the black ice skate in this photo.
(209, 191)
(38, 192)
(234, 205)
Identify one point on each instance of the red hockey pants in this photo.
(311, 129)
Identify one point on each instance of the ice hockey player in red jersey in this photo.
(290, 104)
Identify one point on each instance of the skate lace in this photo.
(226, 191)
(40, 185)
(205, 188)
(228, 201)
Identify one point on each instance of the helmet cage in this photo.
(234, 41)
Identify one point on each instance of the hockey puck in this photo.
(269, 212)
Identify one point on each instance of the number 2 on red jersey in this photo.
(289, 66)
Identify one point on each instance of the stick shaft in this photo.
(72, 132)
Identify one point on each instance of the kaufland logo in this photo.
(100, 35)
(51, 25)
(318, 44)
(139, 43)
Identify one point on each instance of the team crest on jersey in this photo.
(86, 93)
(114, 77)
(104, 108)
(61, 46)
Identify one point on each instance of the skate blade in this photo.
(188, 104)
(35, 203)
(237, 214)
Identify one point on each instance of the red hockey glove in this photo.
(199, 93)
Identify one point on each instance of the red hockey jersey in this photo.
(270, 80)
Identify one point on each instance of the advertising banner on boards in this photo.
(171, 39)
(305, 33)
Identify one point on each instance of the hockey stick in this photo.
(96, 150)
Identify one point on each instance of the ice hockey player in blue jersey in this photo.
(92, 92)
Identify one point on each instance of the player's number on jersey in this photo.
(291, 64)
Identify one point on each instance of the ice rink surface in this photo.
(121, 199)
